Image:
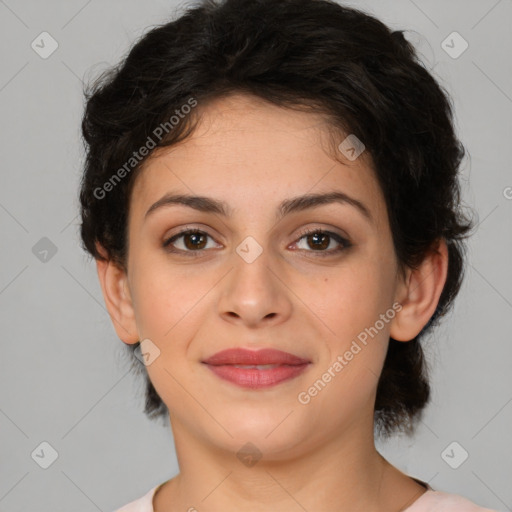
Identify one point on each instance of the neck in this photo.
(342, 473)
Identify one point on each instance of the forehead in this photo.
(253, 154)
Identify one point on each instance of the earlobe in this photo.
(419, 294)
(114, 285)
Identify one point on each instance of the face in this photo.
(306, 281)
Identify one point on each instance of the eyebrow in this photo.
(294, 204)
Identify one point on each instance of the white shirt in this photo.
(429, 501)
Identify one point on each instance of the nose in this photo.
(254, 293)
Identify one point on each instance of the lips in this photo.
(245, 357)
(256, 369)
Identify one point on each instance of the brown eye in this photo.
(319, 240)
(193, 241)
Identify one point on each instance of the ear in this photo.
(419, 294)
(114, 284)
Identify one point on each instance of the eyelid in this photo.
(329, 230)
(203, 228)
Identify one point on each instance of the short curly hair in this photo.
(314, 55)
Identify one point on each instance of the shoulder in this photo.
(440, 501)
(142, 504)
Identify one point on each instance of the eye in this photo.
(194, 240)
(319, 240)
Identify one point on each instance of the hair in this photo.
(311, 55)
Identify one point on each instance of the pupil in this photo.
(193, 236)
(316, 235)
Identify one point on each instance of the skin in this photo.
(319, 456)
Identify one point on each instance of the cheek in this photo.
(162, 306)
(162, 295)
(156, 302)
(352, 299)
(352, 309)
(171, 305)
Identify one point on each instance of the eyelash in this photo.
(345, 244)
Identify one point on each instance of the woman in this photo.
(271, 197)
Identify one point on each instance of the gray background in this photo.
(62, 379)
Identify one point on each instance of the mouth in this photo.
(247, 357)
(256, 369)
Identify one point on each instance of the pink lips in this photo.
(287, 366)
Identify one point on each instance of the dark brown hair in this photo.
(317, 54)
